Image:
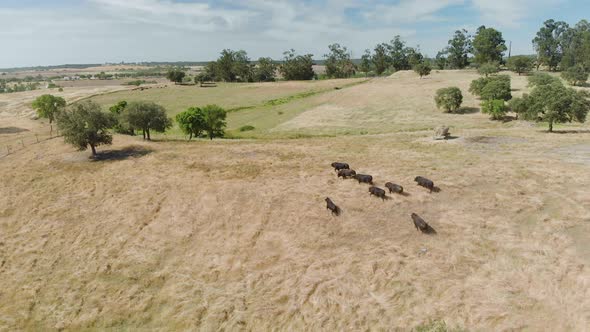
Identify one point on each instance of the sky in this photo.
(53, 32)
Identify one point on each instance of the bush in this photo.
(575, 75)
(191, 122)
(247, 128)
(422, 69)
(539, 79)
(489, 68)
(449, 99)
(520, 105)
(499, 87)
(495, 107)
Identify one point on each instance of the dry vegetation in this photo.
(234, 235)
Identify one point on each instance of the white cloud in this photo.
(510, 13)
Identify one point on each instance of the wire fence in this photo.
(13, 143)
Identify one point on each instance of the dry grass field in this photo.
(234, 234)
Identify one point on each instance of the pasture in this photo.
(235, 235)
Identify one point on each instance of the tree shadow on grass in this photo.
(466, 110)
(12, 130)
(126, 153)
(573, 131)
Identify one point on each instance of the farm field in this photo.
(235, 235)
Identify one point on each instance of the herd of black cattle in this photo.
(345, 172)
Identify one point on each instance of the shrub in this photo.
(520, 105)
(489, 68)
(422, 69)
(495, 107)
(214, 121)
(247, 128)
(449, 99)
(499, 89)
(575, 75)
(48, 106)
(496, 89)
(539, 79)
(555, 103)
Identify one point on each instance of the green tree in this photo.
(449, 99)
(575, 75)
(538, 79)
(84, 125)
(265, 70)
(497, 89)
(548, 43)
(338, 62)
(297, 67)
(366, 64)
(400, 54)
(441, 60)
(147, 116)
(520, 105)
(48, 106)
(488, 45)
(381, 59)
(175, 75)
(214, 121)
(520, 64)
(459, 48)
(489, 68)
(414, 57)
(555, 103)
(191, 122)
(121, 126)
(422, 69)
(495, 107)
(576, 46)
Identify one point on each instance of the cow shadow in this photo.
(125, 153)
(429, 230)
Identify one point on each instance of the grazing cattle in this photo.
(340, 166)
(394, 188)
(422, 225)
(377, 192)
(362, 178)
(346, 173)
(332, 207)
(424, 182)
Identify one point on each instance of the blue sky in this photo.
(45, 32)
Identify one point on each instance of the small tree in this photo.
(555, 103)
(175, 75)
(265, 70)
(338, 62)
(575, 75)
(495, 107)
(366, 64)
(84, 124)
(489, 68)
(441, 60)
(449, 99)
(520, 105)
(122, 126)
(498, 89)
(520, 64)
(422, 69)
(48, 106)
(147, 116)
(191, 122)
(214, 120)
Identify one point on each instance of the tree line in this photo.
(85, 125)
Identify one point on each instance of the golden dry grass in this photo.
(234, 235)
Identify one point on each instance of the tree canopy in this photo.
(147, 116)
(175, 75)
(191, 122)
(548, 43)
(422, 69)
(338, 62)
(214, 121)
(297, 67)
(575, 75)
(48, 106)
(84, 124)
(488, 45)
(458, 51)
(265, 70)
(520, 64)
(489, 68)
